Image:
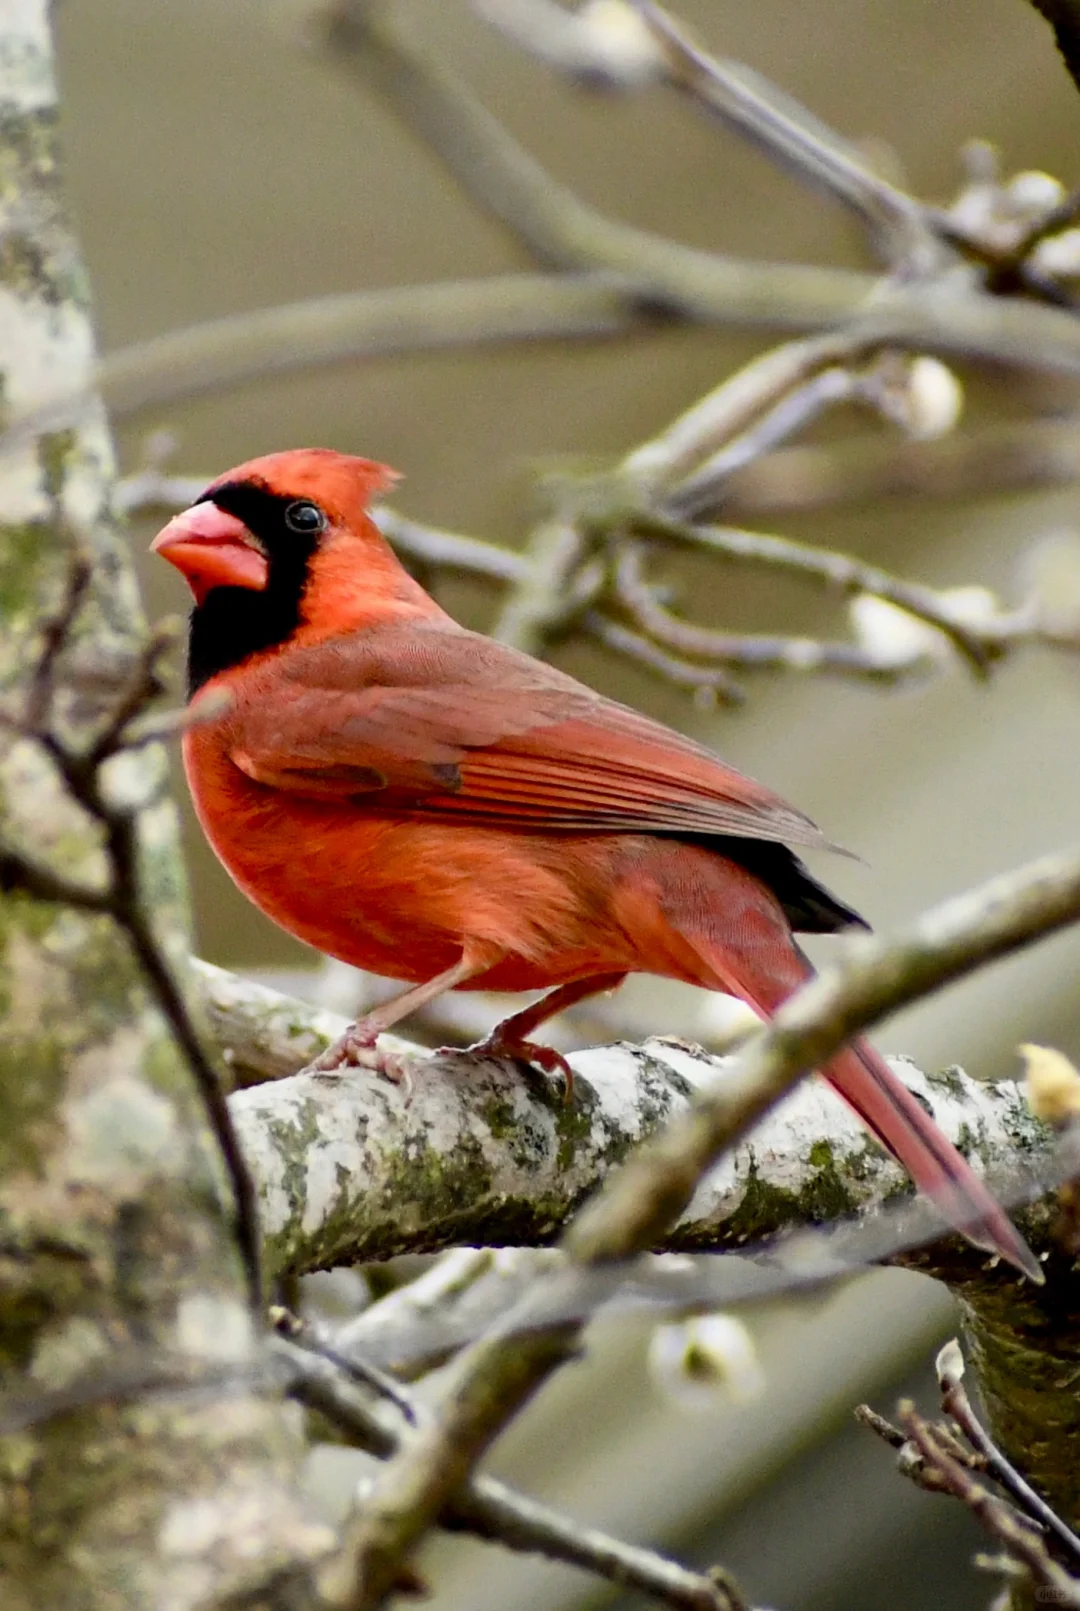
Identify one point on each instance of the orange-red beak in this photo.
(211, 548)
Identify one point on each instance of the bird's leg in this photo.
(356, 1047)
(511, 1037)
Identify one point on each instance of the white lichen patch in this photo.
(207, 1541)
(22, 486)
(48, 351)
(213, 1327)
(121, 1132)
(26, 76)
(65, 1350)
(130, 781)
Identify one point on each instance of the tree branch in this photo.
(491, 1510)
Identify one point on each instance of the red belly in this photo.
(402, 898)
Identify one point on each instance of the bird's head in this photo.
(283, 548)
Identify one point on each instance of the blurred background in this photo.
(217, 166)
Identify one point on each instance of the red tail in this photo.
(889, 1109)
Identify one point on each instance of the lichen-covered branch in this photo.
(349, 1170)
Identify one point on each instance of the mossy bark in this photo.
(116, 1239)
(1024, 1346)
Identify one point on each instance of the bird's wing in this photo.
(434, 720)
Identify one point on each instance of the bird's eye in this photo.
(305, 517)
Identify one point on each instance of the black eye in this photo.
(305, 517)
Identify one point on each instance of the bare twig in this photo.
(799, 141)
(955, 1403)
(450, 549)
(733, 408)
(707, 682)
(306, 1335)
(1020, 1537)
(843, 572)
(758, 651)
(490, 1509)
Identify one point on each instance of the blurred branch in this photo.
(489, 1509)
(744, 101)
(559, 228)
(842, 572)
(1013, 456)
(642, 602)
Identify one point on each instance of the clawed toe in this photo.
(357, 1048)
(530, 1055)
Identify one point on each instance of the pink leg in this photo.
(511, 1037)
(356, 1046)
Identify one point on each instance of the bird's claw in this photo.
(358, 1048)
(530, 1055)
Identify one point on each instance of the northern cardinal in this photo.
(430, 805)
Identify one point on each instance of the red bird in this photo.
(430, 805)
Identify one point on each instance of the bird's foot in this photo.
(358, 1048)
(530, 1055)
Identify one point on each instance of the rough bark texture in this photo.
(116, 1238)
(350, 1167)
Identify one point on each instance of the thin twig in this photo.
(710, 682)
(1020, 1537)
(305, 1334)
(734, 407)
(792, 136)
(450, 549)
(490, 1509)
(760, 651)
(979, 647)
(955, 1403)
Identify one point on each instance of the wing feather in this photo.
(442, 722)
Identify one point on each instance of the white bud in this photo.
(949, 1363)
(974, 607)
(697, 1360)
(623, 42)
(935, 399)
(1059, 256)
(892, 638)
(1032, 194)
